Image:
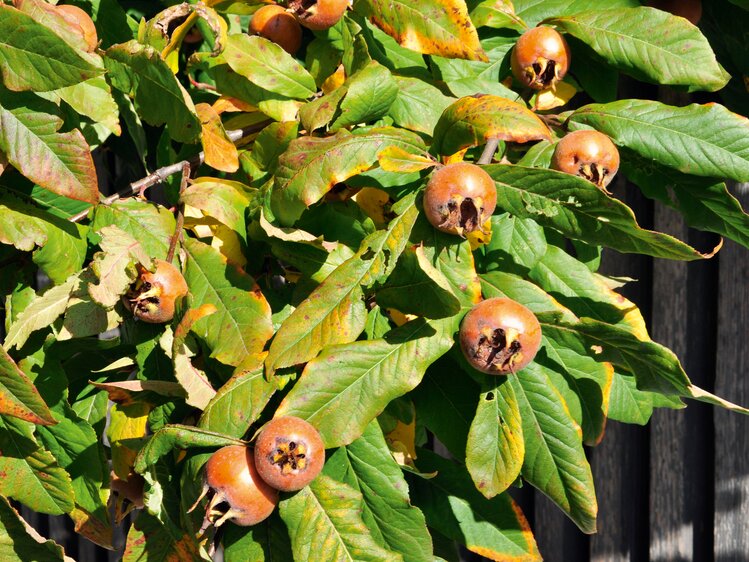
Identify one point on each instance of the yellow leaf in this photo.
(375, 203)
(479, 238)
(553, 97)
(227, 241)
(398, 317)
(220, 152)
(126, 422)
(402, 442)
(226, 104)
(333, 81)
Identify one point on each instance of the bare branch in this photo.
(162, 174)
(488, 155)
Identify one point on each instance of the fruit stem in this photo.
(180, 212)
(488, 155)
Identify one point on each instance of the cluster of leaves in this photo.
(317, 287)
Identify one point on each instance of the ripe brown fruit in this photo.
(235, 490)
(588, 154)
(276, 24)
(289, 453)
(540, 58)
(320, 14)
(459, 198)
(87, 28)
(499, 336)
(153, 296)
(689, 9)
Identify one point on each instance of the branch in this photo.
(180, 213)
(162, 174)
(488, 155)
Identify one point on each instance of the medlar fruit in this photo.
(87, 28)
(540, 58)
(459, 198)
(277, 25)
(153, 296)
(289, 453)
(318, 14)
(235, 490)
(499, 336)
(588, 154)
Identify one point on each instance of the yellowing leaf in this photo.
(473, 120)
(395, 159)
(220, 152)
(227, 104)
(333, 81)
(402, 442)
(481, 237)
(431, 27)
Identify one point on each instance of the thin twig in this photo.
(162, 174)
(488, 155)
(180, 213)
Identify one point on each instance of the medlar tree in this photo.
(289, 265)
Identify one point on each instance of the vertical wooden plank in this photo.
(732, 382)
(671, 531)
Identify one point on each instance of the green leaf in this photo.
(516, 243)
(242, 324)
(368, 467)
(33, 57)
(555, 461)
(498, 14)
(325, 523)
(586, 294)
(194, 381)
(177, 436)
(495, 528)
(335, 312)
(267, 541)
(655, 366)
(446, 404)
(239, 402)
(347, 386)
(40, 313)
(62, 244)
(533, 11)
(313, 165)
(369, 94)
(471, 121)
(83, 316)
(75, 446)
(18, 395)
(267, 65)
(151, 225)
(417, 287)
(433, 27)
(59, 162)
(31, 474)
(495, 449)
(650, 45)
(702, 140)
(629, 404)
(580, 210)
(18, 543)
(418, 105)
(93, 98)
(140, 72)
(705, 203)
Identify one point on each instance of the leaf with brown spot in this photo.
(220, 152)
(126, 392)
(18, 396)
(431, 27)
(311, 166)
(471, 121)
